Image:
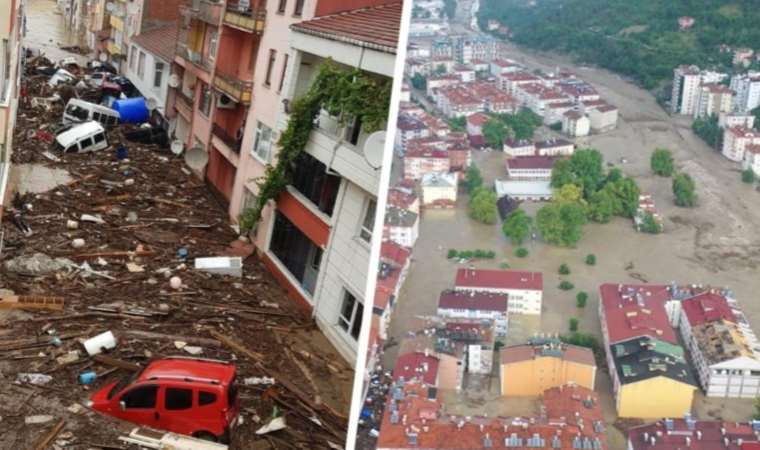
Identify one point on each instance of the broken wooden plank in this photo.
(48, 438)
(194, 340)
(121, 364)
(32, 302)
(115, 254)
(236, 346)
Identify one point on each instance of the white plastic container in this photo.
(100, 342)
(221, 265)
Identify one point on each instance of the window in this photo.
(311, 179)
(205, 104)
(369, 221)
(159, 74)
(249, 199)
(212, 43)
(141, 65)
(298, 10)
(132, 51)
(295, 251)
(281, 6)
(284, 71)
(141, 397)
(87, 142)
(206, 398)
(351, 312)
(353, 131)
(232, 393)
(96, 116)
(100, 137)
(262, 146)
(270, 66)
(176, 399)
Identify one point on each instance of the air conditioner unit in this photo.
(225, 102)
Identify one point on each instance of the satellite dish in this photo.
(110, 6)
(177, 147)
(151, 103)
(374, 149)
(174, 80)
(196, 158)
(103, 57)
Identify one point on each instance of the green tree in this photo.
(568, 193)
(626, 194)
(494, 132)
(561, 224)
(662, 162)
(573, 324)
(581, 299)
(756, 113)
(440, 69)
(458, 124)
(564, 269)
(566, 285)
(649, 224)
(748, 176)
(521, 252)
(517, 226)
(602, 206)
(452, 254)
(587, 166)
(473, 179)
(708, 129)
(419, 82)
(684, 190)
(591, 259)
(562, 174)
(483, 206)
(614, 175)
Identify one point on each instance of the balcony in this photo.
(117, 23)
(208, 11)
(196, 58)
(229, 141)
(246, 19)
(113, 48)
(184, 104)
(239, 90)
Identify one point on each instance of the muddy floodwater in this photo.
(715, 243)
(46, 30)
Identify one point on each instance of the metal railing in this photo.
(233, 86)
(196, 58)
(229, 141)
(245, 17)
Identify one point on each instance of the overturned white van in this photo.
(79, 111)
(86, 137)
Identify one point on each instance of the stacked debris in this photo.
(114, 250)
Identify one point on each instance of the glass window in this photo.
(270, 66)
(141, 397)
(232, 393)
(353, 131)
(100, 137)
(350, 319)
(284, 71)
(262, 146)
(86, 142)
(369, 221)
(205, 104)
(206, 398)
(141, 65)
(159, 74)
(176, 399)
(132, 51)
(311, 179)
(298, 10)
(281, 6)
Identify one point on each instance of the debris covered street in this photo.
(110, 245)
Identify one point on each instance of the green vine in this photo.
(343, 93)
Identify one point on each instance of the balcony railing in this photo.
(248, 19)
(209, 11)
(197, 58)
(113, 48)
(117, 23)
(229, 141)
(238, 89)
(184, 103)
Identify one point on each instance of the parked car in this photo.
(127, 88)
(86, 137)
(98, 78)
(78, 111)
(192, 396)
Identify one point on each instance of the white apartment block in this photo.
(408, 128)
(686, 84)
(401, 226)
(419, 160)
(439, 188)
(603, 118)
(524, 289)
(736, 119)
(736, 140)
(712, 100)
(723, 347)
(523, 147)
(747, 91)
(576, 124)
(752, 159)
(475, 305)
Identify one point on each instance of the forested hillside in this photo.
(636, 38)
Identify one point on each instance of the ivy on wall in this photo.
(343, 93)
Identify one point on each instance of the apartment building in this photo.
(747, 91)
(408, 128)
(648, 368)
(687, 432)
(401, 226)
(519, 147)
(528, 370)
(713, 99)
(576, 124)
(530, 167)
(475, 305)
(736, 140)
(439, 189)
(11, 29)
(419, 160)
(524, 289)
(736, 119)
(687, 82)
(723, 347)
(603, 116)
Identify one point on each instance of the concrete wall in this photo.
(531, 378)
(655, 398)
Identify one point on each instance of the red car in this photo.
(191, 396)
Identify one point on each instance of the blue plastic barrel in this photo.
(132, 110)
(87, 377)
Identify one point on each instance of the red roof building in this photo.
(632, 311)
(687, 433)
(160, 41)
(707, 307)
(416, 366)
(473, 301)
(394, 254)
(499, 280)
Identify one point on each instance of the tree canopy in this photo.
(662, 162)
(708, 129)
(494, 132)
(483, 206)
(517, 226)
(473, 180)
(561, 224)
(685, 190)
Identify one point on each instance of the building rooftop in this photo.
(633, 311)
(547, 349)
(394, 254)
(439, 179)
(161, 41)
(409, 123)
(499, 279)
(401, 198)
(552, 143)
(473, 301)
(375, 27)
(645, 357)
(707, 307)
(519, 143)
(478, 119)
(397, 217)
(416, 365)
(530, 162)
(721, 341)
(519, 188)
(687, 433)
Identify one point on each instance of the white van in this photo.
(78, 111)
(86, 137)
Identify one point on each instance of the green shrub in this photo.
(490, 254)
(564, 269)
(581, 299)
(748, 176)
(452, 253)
(591, 259)
(573, 324)
(521, 252)
(566, 285)
(466, 254)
